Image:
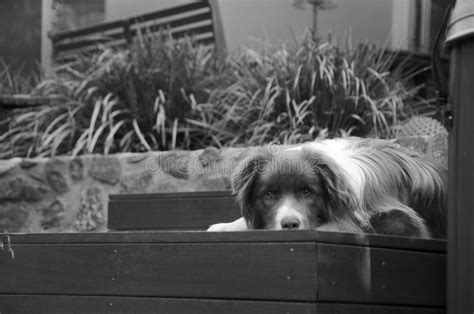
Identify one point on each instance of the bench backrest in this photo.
(193, 19)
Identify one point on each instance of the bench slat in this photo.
(175, 211)
(84, 31)
(184, 20)
(173, 237)
(39, 304)
(217, 270)
(254, 269)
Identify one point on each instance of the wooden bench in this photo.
(171, 211)
(145, 271)
(198, 19)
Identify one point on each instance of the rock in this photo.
(440, 148)
(53, 214)
(106, 169)
(136, 158)
(138, 182)
(91, 213)
(175, 164)
(165, 187)
(57, 181)
(54, 171)
(28, 163)
(217, 182)
(76, 169)
(37, 173)
(7, 165)
(12, 217)
(209, 155)
(417, 143)
(20, 188)
(33, 192)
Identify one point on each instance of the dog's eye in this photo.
(307, 192)
(268, 195)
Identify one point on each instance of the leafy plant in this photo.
(161, 94)
(130, 99)
(17, 81)
(288, 94)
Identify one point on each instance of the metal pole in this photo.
(460, 41)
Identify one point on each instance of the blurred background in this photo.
(404, 24)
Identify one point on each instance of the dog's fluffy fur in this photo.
(345, 185)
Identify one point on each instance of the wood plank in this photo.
(38, 304)
(104, 38)
(179, 195)
(381, 276)
(87, 31)
(195, 6)
(101, 27)
(88, 42)
(335, 308)
(250, 271)
(193, 31)
(364, 240)
(171, 213)
(201, 17)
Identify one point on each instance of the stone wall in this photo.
(70, 194)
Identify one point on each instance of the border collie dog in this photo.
(346, 185)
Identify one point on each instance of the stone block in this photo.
(175, 164)
(55, 171)
(76, 169)
(91, 212)
(53, 214)
(208, 156)
(13, 217)
(20, 188)
(137, 182)
(216, 182)
(106, 169)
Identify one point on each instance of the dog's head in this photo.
(294, 189)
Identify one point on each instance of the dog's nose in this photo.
(290, 223)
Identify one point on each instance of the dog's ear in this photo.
(399, 222)
(243, 182)
(341, 200)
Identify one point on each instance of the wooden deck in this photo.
(147, 271)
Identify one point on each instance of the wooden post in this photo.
(46, 44)
(460, 276)
(126, 30)
(220, 42)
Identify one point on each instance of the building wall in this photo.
(247, 21)
(20, 33)
(361, 20)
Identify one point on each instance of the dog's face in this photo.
(293, 189)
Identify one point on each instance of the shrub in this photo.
(288, 94)
(16, 81)
(160, 94)
(130, 99)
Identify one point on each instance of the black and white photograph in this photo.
(237, 156)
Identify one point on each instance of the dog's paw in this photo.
(218, 227)
(238, 225)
